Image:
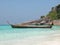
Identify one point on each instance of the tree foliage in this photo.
(58, 11)
(54, 13)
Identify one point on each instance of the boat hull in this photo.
(14, 26)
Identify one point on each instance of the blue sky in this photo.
(17, 11)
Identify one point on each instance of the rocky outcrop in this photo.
(56, 22)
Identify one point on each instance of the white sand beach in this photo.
(53, 39)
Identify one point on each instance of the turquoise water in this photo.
(8, 34)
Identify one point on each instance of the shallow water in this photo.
(29, 36)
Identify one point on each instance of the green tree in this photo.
(52, 14)
(58, 11)
(42, 16)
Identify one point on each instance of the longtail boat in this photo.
(31, 25)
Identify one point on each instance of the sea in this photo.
(29, 36)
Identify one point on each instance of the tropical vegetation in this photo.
(54, 13)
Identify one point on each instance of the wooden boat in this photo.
(31, 26)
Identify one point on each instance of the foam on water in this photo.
(29, 36)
